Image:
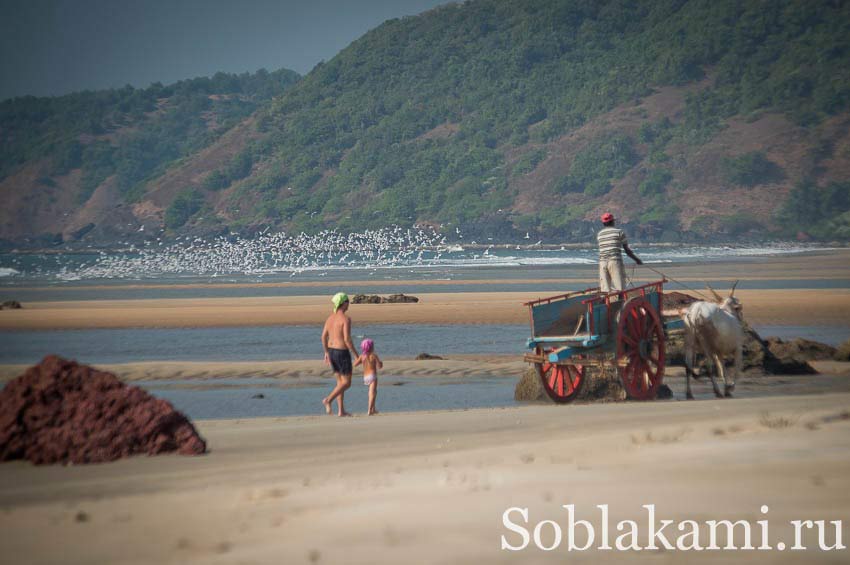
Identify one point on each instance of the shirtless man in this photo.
(336, 341)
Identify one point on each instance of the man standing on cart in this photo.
(612, 243)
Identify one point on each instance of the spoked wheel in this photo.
(640, 349)
(561, 382)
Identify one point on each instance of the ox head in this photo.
(733, 305)
(730, 303)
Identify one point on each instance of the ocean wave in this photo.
(391, 250)
(728, 251)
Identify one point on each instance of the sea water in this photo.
(280, 343)
(275, 343)
(252, 262)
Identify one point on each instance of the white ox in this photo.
(715, 330)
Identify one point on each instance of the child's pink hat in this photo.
(367, 345)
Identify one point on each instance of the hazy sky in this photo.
(54, 47)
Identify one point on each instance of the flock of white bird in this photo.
(272, 253)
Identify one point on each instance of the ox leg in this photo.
(738, 367)
(709, 360)
(690, 355)
(721, 371)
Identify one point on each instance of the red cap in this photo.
(607, 217)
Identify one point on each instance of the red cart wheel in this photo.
(561, 382)
(640, 345)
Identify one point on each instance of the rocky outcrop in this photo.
(798, 352)
(674, 300)
(62, 412)
(10, 305)
(366, 299)
(428, 357)
(376, 299)
(842, 353)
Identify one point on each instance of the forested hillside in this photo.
(688, 119)
(54, 152)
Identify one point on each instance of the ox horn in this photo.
(717, 297)
(732, 292)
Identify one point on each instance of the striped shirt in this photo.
(611, 241)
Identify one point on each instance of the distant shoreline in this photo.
(522, 243)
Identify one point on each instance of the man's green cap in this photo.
(339, 299)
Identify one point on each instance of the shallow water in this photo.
(279, 343)
(299, 401)
(830, 335)
(432, 394)
(273, 343)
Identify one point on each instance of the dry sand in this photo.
(788, 307)
(432, 487)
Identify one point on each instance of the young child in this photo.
(371, 363)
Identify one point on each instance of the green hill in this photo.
(686, 118)
(54, 152)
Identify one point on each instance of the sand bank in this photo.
(773, 307)
(313, 372)
(301, 372)
(432, 487)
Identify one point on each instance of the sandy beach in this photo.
(432, 487)
(825, 306)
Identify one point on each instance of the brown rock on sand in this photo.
(62, 412)
(843, 352)
(674, 300)
(429, 357)
(401, 299)
(799, 351)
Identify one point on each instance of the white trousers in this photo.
(612, 275)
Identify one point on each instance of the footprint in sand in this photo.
(265, 494)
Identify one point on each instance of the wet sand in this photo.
(432, 487)
(309, 371)
(768, 307)
(314, 372)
